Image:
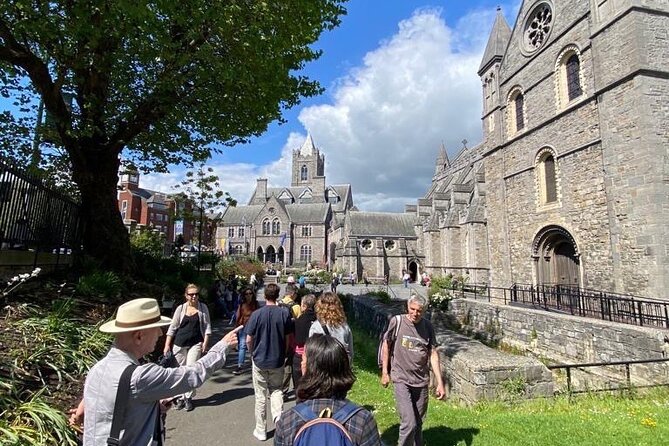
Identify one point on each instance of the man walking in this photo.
(410, 354)
(136, 330)
(268, 336)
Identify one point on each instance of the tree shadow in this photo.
(440, 435)
(227, 396)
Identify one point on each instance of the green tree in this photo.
(159, 82)
(202, 190)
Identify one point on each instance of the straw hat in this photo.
(138, 314)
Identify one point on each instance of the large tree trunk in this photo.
(105, 237)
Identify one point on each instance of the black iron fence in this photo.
(623, 384)
(35, 218)
(575, 301)
(592, 303)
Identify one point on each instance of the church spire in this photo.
(442, 159)
(499, 38)
(308, 147)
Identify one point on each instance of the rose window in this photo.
(538, 27)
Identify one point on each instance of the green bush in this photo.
(381, 295)
(105, 284)
(148, 242)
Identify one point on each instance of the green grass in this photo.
(597, 419)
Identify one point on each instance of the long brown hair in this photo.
(329, 310)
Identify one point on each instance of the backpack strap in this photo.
(122, 394)
(345, 413)
(305, 412)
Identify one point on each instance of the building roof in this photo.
(240, 215)
(308, 213)
(381, 224)
(497, 42)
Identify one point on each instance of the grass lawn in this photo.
(596, 419)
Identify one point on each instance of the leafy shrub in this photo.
(241, 267)
(381, 295)
(148, 242)
(104, 284)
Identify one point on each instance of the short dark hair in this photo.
(309, 301)
(328, 373)
(272, 291)
(291, 289)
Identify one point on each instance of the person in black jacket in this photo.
(302, 325)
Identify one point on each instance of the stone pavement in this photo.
(224, 405)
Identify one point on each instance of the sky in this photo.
(400, 79)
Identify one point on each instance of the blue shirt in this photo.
(269, 327)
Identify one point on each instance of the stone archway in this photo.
(556, 256)
(280, 255)
(270, 254)
(260, 254)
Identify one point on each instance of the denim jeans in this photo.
(241, 347)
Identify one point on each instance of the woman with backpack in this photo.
(331, 320)
(327, 378)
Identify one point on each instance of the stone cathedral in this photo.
(570, 184)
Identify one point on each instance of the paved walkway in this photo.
(224, 405)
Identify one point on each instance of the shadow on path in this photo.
(440, 435)
(226, 396)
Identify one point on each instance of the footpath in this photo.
(224, 406)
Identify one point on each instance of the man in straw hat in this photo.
(136, 330)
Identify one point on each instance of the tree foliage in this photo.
(158, 82)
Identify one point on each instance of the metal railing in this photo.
(34, 217)
(594, 304)
(576, 301)
(628, 375)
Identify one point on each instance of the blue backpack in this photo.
(324, 429)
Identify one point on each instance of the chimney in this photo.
(261, 189)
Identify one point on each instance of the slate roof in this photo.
(307, 213)
(381, 224)
(476, 211)
(235, 215)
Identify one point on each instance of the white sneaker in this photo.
(262, 436)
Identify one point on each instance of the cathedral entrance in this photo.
(260, 254)
(270, 254)
(556, 256)
(280, 254)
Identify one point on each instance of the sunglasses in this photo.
(192, 294)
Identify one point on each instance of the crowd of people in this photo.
(305, 342)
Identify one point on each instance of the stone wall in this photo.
(472, 371)
(566, 339)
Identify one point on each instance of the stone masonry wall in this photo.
(567, 339)
(472, 371)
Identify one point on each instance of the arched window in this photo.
(239, 249)
(276, 226)
(519, 102)
(573, 69)
(547, 177)
(266, 227)
(303, 173)
(305, 253)
(516, 111)
(568, 76)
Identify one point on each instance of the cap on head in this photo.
(137, 314)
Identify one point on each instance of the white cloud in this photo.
(388, 118)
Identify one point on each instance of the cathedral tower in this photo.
(308, 165)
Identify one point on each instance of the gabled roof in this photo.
(308, 213)
(240, 215)
(497, 42)
(387, 224)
